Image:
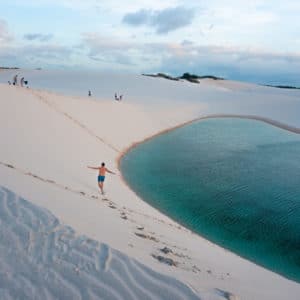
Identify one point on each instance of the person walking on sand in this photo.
(22, 81)
(15, 79)
(101, 175)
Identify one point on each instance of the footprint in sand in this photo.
(123, 216)
(145, 236)
(165, 260)
(9, 166)
(111, 205)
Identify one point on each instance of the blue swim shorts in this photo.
(101, 178)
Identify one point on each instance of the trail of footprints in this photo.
(70, 266)
(124, 212)
(112, 205)
(42, 258)
(175, 257)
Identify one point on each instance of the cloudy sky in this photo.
(257, 40)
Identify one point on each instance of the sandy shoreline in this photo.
(62, 187)
(250, 117)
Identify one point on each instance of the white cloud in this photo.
(163, 21)
(38, 37)
(35, 55)
(224, 34)
(181, 53)
(5, 35)
(112, 5)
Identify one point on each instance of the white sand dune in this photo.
(44, 259)
(47, 140)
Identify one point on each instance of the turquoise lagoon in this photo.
(234, 181)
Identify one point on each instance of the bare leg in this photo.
(101, 187)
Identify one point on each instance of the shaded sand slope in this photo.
(46, 142)
(42, 258)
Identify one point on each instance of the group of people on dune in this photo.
(23, 82)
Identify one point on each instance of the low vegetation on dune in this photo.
(187, 76)
(284, 86)
(9, 68)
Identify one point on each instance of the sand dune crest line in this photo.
(75, 121)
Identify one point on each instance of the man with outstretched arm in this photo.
(101, 175)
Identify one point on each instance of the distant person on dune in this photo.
(118, 98)
(90, 93)
(101, 175)
(15, 79)
(22, 81)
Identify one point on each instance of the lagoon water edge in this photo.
(233, 181)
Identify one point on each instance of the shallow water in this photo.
(234, 181)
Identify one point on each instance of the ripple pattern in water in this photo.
(234, 181)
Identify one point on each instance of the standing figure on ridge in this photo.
(15, 80)
(101, 175)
